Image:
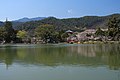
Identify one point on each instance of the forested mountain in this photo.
(75, 24)
(25, 19)
(70, 23)
(54, 29)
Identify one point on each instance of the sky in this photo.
(16, 9)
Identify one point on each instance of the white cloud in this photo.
(70, 11)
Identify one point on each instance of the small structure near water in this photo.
(72, 37)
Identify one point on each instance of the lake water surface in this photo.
(60, 62)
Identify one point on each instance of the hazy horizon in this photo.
(17, 9)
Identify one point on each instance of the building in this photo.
(72, 37)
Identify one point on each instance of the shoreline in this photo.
(86, 42)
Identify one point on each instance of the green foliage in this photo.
(66, 55)
(2, 33)
(114, 28)
(9, 32)
(99, 32)
(64, 36)
(52, 29)
(59, 36)
(46, 32)
(21, 34)
(74, 24)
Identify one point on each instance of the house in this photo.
(72, 37)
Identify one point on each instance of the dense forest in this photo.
(75, 24)
(53, 30)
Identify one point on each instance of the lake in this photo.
(60, 62)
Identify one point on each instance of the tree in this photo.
(47, 33)
(60, 33)
(64, 36)
(99, 32)
(9, 32)
(21, 34)
(2, 33)
(114, 28)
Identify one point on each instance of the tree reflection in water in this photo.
(54, 55)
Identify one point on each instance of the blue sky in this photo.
(15, 9)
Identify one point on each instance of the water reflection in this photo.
(55, 55)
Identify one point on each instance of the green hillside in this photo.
(70, 23)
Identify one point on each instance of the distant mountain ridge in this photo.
(25, 19)
(75, 24)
